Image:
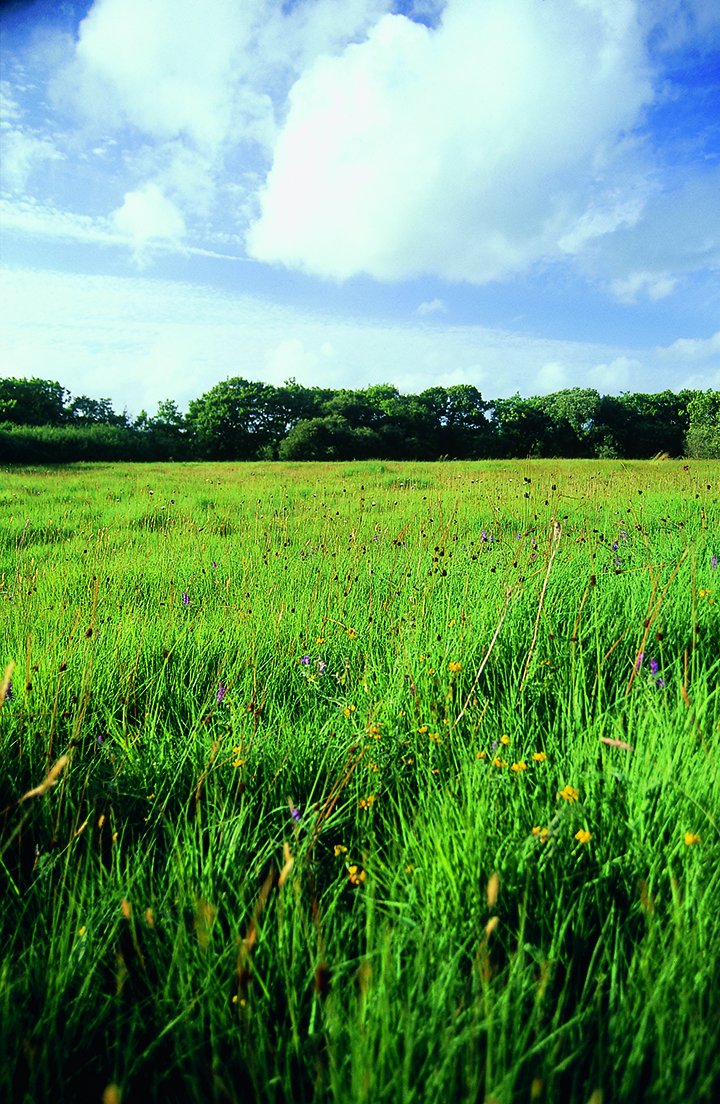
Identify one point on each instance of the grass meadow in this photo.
(360, 782)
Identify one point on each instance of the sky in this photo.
(521, 195)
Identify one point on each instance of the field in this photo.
(360, 782)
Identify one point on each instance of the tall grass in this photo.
(360, 782)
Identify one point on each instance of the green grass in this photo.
(383, 649)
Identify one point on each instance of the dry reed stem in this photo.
(287, 866)
(616, 743)
(5, 681)
(555, 535)
(50, 780)
(485, 659)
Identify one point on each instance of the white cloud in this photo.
(22, 155)
(147, 216)
(553, 376)
(27, 216)
(24, 151)
(469, 152)
(679, 234)
(692, 350)
(623, 373)
(432, 306)
(140, 340)
(203, 73)
(654, 285)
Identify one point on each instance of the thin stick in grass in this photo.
(555, 535)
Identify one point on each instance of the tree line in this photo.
(238, 419)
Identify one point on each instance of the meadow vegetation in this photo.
(360, 782)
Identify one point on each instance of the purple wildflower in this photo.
(305, 660)
(483, 535)
(614, 546)
(713, 562)
(9, 691)
(295, 813)
(654, 666)
(639, 661)
(213, 565)
(660, 683)
(221, 692)
(321, 666)
(185, 598)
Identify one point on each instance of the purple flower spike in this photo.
(185, 598)
(9, 692)
(305, 660)
(221, 692)
(713, 562)
(654, 666)
(639, 661)
(295, 813)
(660, 683)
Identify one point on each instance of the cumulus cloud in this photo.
(468, 151)
(206, 73)
(148, 217)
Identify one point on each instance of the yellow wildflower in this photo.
(481, 755)
(434, 738)
(356, 874)
(340, 849)
(691, 838)
(519, 766)
(366, 802)
(505, 739)
(539, 756)
(541, 833)
(583, 836)
(569, 793)
(453, 668)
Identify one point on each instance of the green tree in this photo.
(522, 427)
(240, 420)
(702, 440)
(86, 411)
(639, 426)
(571, 415)
(329, 438)
(32, 402)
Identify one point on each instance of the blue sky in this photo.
(523, 195)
